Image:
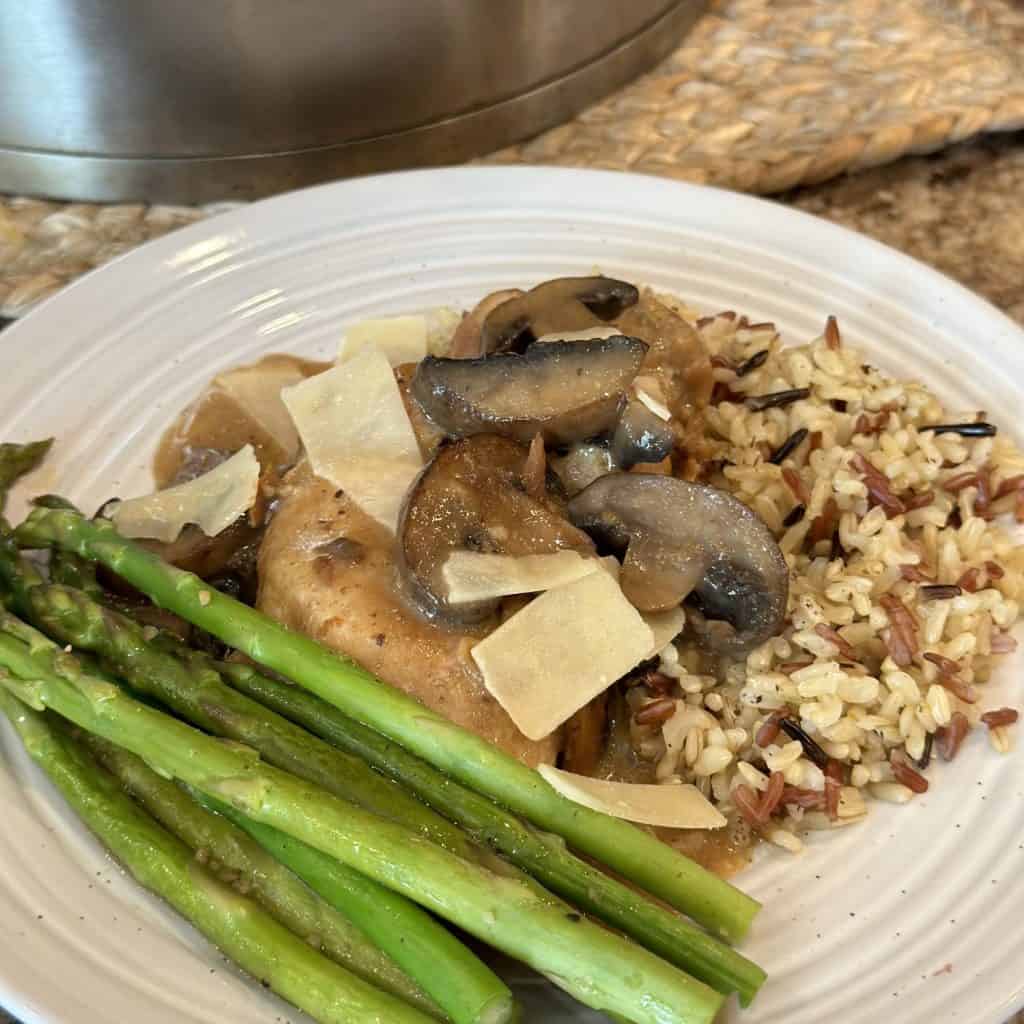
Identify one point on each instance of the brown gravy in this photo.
(215, 422)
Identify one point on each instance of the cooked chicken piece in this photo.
(328, 570)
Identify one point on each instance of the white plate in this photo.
(860, 928)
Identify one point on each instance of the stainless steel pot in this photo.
(191, 100)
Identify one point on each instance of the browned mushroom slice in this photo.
(466, 341)
(686, 540)
(564, 304)
(640, 436)
(566, 391)
(472, 496)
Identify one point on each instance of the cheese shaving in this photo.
(670, 805)
(356, 432)
(212, 501)
(648, 390)
(475, 576)
(586, 334)
(402, 339)
(560, 651)
(665, 626)
(257, 391)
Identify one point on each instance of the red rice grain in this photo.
(772, 795)
(995, 570)
(951, 736)
(877, 485)
(1001, 716)
(833, 339)
(949, 677)
(902, 640)
(969, 581)
(913, 574)
(810, 799)
(796, 486)
(912, 501)
(747, 803)
(824, 526)
(957, 483)
(1009, 485)
(768, 731)
(655, 712)
(832, 636)
(833, 786)
(908, 776)
(1002, 643)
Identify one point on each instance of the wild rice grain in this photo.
(939, 591)
(811, 749)
(788, 446)
(963, 429)
(757, 360)
(777, 399)
(795, 514)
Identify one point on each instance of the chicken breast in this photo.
(327, 569)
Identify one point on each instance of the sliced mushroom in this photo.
(466, 341)
(582, 464)
(677, 356)
(564, 304)
(685, 540)
(566, 391)
(472, 496)
(640, 436)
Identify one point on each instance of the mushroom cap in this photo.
(565, 391)
(562, 304)
(687, 540)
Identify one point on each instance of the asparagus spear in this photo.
(199, 694)
(16, 460)
(543, 856)
(598, 967)
(164, 865)
(218, 843)
(637, 856)
(347, 890)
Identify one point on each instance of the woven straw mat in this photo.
(763, 95)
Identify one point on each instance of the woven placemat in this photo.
(762, 96)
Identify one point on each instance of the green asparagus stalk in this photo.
(199, 694)
(598, 967)
(17, 460)
(637, 856)
(218, 843)
(544, 856)
(164, 865)
(350, 892)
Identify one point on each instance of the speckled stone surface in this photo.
(961, 211)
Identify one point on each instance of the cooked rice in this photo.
(904, 586)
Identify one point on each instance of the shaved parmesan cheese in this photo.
(670, 806)
(356, 432)
(475, 576)
(560, 651)
(648, 390)
(402, 339)
(257, 391)
(212, 501)
(587, 334)
(665, 626)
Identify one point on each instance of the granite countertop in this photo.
(960, 211)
